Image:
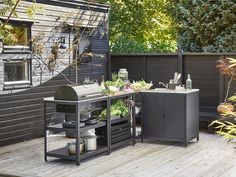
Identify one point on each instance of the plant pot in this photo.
(225, 107)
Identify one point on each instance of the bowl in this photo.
(72, 147)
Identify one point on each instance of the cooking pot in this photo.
(72, 147)
(90, 143)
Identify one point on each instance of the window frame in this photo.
(21, 84)
(19, 48)
(85, 33)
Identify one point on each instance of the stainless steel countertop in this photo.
(156, 90)
(163, 90)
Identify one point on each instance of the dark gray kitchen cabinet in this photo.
(153, 111)
(171, 116)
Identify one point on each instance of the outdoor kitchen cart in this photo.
(75, 105)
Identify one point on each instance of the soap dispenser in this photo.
(189, 83)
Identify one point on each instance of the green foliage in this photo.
(31, 10)
(207, 25)
(9, 37)
(118, 83)
(115, 81)
(226, 125)
(114, 77)
(118, 108)
(225, 128)
(7, 31)
(141, 26)
(8, 7)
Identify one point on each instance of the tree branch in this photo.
(9, 16)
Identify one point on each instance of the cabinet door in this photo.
(153, 115)
(174, 116)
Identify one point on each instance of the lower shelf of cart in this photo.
(63, 153)
(59, 127)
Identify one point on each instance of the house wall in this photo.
(45, 21)
(21, 111)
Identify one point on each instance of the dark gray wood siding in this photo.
(21, 113)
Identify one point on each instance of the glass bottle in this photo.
(123, 74)
(189, 83)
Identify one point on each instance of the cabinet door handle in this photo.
(164, 116)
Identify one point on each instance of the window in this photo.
(16, 74)
(16, 42)
(19, 36)
(84, 45)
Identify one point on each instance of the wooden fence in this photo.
(161, 68)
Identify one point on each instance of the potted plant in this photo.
(227, 66)
(225, 126)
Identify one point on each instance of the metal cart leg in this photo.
(77, 114)
(45, 130)
(108, 127)
(141, 135)
(186, 144)
(133, 121)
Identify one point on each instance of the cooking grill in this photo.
(77, 93)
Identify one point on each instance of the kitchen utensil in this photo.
(88, 133)
(171, 81)
(90, 143)
(137, 110)
(175, 77)
(72, 147)
(178, 78)
(172, 86)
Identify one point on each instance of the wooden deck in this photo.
(211, 157)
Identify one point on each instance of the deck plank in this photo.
(211, 157)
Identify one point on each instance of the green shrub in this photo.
(142, 26)
(206, 25)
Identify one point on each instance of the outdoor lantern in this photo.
(1, 45)
(101, 30)
(62, 42)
